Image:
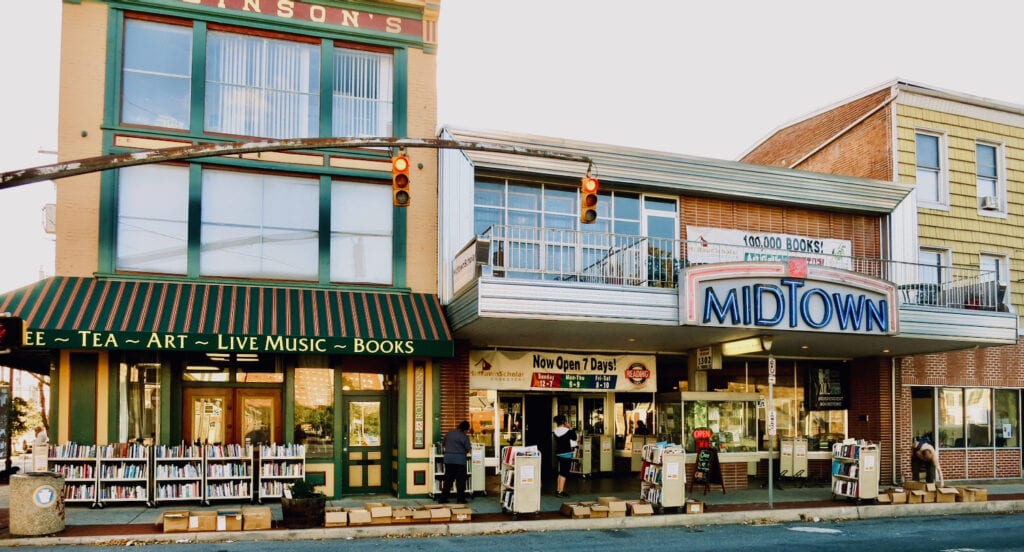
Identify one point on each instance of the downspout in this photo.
(861, 119)
(892, 405)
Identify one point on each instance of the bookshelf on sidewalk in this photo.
(77, 463)
(520, 480)
(663, 475)
(228, 472)
(280, 466)
(474, 469)
(855, 470)
(177, 473)
(123, 473)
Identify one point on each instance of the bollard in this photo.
(36, 503)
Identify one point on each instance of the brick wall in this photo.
(870, 414)
(791, 144)
(862, 231)
(455, 387)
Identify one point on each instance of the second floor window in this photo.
(988, 182)
(931, 188)
(253, 85)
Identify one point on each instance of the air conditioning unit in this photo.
(990, 203)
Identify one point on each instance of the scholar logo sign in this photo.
(637, 373)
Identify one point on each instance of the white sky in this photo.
(706, 78)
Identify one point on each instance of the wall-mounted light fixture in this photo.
(759, 344)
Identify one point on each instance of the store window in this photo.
(510, 418)
(253, 84)
(157, 74)
(314, 406)
(259, 225)
(152, 219)
(361, 233)
(593, 416)
(481, 419)
(225, 367)
(922, 400)
(978, 416)
(931, 182)
(634, 416)
(1007, 417)
(951, 418)
(139, 398)
(362, 381)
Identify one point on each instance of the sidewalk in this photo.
(139, 523)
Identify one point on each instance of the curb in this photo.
(760, 517)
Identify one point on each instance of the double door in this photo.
(223, 415)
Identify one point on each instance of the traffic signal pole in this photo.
(66, 169)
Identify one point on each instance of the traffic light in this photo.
(12, 332)
(588, 200)
(400, 180)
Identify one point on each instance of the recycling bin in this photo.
(36, 503)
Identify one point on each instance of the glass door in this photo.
(208, 418)
(661, 226)
(365, 445)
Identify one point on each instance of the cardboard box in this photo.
(637, 508)
(598, 510)
(335, 517)
(930, 496)
(575, 510)
(440, 515)
(980, 495)
(202, 521)
(897, 496)
(421, 515)
(883, 498)
(946, 494)
(255, 518)
(616, 506)
(915, 497)
(402, 514)
(378, 510)
(914, 485)
(462, 514)
(694, 507)
(229, 520)
(359, 516)
(175, 521)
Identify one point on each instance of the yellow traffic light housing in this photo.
(588, 200)
(400, 181)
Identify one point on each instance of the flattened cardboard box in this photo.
(402, 514)
(421, 514)
(946, 494)
(255, 518)
(175, 521)
(575, 510)
(440, 515)
(462, 514)
(335, 517)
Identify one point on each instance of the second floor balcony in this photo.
(546, 274)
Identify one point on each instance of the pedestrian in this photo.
(924, 458)
(456, 447)
(565, 450)
(41, 439)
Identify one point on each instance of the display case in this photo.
(733, 418)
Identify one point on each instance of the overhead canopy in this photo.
(92, 313)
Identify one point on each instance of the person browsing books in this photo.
(456, 447)
(565, 449)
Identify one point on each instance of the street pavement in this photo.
(791, 502)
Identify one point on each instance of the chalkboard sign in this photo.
(707, 469)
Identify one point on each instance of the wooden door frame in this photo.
(233, 413)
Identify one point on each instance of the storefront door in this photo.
(219, 415)
(365, 443)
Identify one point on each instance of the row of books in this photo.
(508, 497)
(123, 471)
(124, 450)
(123, 492)
(651, 473)
(232, 489)
(72, 450)
(178, 490)
(228, 451)
(177, 451)
(508, 478)
(654, 452)
(848, 470)
(178, 471)
(281, 469)
(230, 469)
(650, 493)
(79, 492)
(284, 451)
(272, 488)
(509, 454)
(75, 471)
(845, 488)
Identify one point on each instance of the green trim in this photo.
(197, 103)
(288, 404)
(324, 234)
(326, 88)
(170, 395)
(107, 246)
(82, 403)
(55, 379)
(402, 411)
(112, 81)
(114, 397)
(195, 223)
(340, 464)
(436, 372)
(399, 219)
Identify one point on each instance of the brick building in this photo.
(963, 154)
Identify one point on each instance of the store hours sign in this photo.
(560, 371)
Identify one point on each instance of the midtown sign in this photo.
(794, 295)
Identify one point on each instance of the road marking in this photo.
(815, 530)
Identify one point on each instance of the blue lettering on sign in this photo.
(770, 305)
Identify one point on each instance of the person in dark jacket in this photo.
(456, 447)
(565, 449)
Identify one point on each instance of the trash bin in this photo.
(36, 503)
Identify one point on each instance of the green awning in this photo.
(93, 313)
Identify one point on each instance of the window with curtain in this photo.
(362, 93)
(139, 397)
(314, 406)
(156, 88)
(361, 233)
(152, 219)
(929, 169)
(257, 86)
(259, 225)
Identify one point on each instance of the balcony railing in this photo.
(553, 254)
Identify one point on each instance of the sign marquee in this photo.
(723, 245)
(534, 370)
(788, 296)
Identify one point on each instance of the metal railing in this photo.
(531, 253)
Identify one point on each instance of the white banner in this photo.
(554, 371)
(722, 245)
